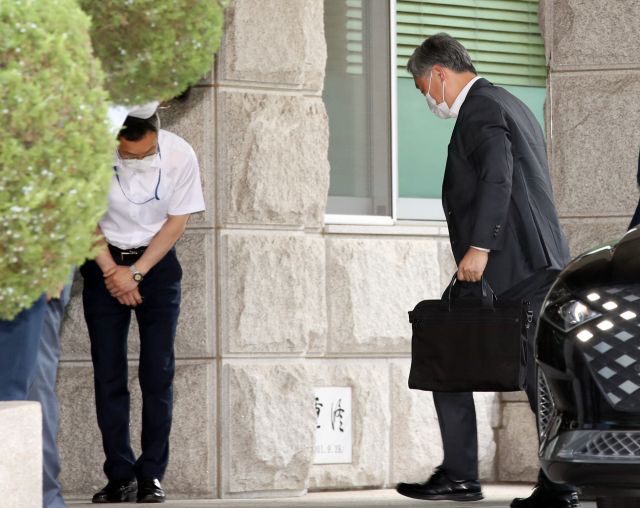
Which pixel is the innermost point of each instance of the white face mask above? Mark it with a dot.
(139, 165)
(440, 110)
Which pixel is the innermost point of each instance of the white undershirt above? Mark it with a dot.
(127, 225)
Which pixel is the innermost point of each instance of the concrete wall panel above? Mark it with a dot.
(595, 137)
(595, 35)
(192, 464)
(371, 420)
(272, 158)
(584, 234)
(273, 293)
(372, 284)
(279, 42)
(268, 427)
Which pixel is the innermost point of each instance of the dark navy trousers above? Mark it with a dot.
(19, 344)
(108, 322)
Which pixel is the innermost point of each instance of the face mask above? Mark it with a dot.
(440, 110)
(137, 165)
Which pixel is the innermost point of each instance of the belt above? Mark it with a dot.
(127, 254)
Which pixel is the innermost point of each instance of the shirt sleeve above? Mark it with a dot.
(187, 196)
(480, 248)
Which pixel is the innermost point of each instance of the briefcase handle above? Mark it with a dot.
(488, 296)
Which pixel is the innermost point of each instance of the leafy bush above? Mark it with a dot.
(55, 147)
(153, 49)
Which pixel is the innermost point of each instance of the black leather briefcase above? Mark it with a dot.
(469, 345)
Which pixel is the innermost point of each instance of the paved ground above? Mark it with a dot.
(496, 496)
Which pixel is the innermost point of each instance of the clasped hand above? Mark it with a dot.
(120, 283)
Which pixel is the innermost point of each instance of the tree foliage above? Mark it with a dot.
(55, 147)
(153, 49)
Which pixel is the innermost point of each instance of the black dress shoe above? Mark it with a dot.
(150, 491)
(545, 498)
(118, 490)
(442, 488)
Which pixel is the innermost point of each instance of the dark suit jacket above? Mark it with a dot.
(497, 191)
(635, 221)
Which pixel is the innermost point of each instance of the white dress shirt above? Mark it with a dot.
(457, 104)
(455, 109)
(134, 215)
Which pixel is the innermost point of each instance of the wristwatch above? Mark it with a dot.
(137, 276)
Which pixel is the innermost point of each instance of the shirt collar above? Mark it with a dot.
(457, 104)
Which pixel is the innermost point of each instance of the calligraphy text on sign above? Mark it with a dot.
(333, 427)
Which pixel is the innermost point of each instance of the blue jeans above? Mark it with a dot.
(19, 344)
(42, 390)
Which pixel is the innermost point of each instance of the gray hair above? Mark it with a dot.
(440, 49)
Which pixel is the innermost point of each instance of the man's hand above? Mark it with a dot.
(56, 295)
(131, 299)
(120, 280)
(472, 265)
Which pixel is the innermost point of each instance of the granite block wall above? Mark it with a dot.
(593, 116)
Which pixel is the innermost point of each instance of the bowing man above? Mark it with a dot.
(155, 187)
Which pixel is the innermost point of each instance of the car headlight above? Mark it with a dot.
(566, 312)
(574, 313)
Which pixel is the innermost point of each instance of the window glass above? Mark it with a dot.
(357, 95)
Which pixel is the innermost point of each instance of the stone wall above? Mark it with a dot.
(593, 115)
(276, 303)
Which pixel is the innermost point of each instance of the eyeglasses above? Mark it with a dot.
(138, 157)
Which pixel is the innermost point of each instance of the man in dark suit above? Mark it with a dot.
(503, 225)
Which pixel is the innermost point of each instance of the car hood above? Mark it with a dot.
(607, 264)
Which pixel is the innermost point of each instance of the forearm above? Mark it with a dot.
(103, 259)
(162, 243)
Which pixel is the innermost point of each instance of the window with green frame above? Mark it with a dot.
(504, 41)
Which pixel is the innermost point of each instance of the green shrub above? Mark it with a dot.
(55, 147)
(153, 49)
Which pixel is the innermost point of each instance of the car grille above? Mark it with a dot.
(611, 444)
(546, 404)
(613, 354)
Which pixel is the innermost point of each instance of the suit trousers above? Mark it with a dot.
(43, 390)
(19, 344)
(108, 322)
(456, 411)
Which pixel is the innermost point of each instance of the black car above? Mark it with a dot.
(588, 352)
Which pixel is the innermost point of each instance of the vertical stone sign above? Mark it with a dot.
(333, 428)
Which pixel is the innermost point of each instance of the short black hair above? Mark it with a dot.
(134, 129)
(440, 49)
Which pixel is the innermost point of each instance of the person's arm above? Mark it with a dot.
(120, 278)
(107, 265)
(104, 259)
(490, 154)
(494, 162)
